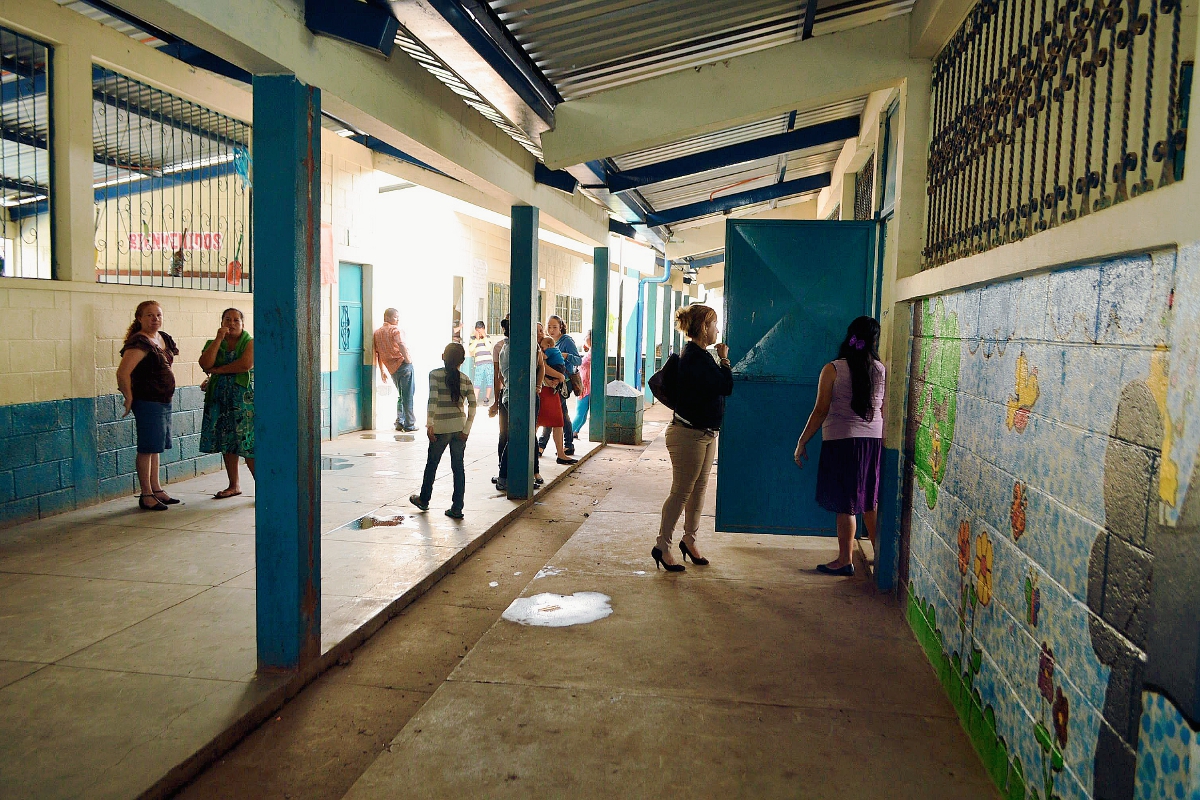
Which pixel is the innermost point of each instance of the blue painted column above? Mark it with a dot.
(596, 407)
(287, 335)
(648, 367)
(629, 360)
(523, 280)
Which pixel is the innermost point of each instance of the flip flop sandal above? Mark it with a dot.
(225, 494)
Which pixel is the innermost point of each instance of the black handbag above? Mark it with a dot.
(664, 383)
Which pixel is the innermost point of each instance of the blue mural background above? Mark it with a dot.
(1052, 431)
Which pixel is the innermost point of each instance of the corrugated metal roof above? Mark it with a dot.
(104, 18)
(587, 46)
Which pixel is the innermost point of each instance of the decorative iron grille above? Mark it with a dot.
(172, 189)
(25, 195)
(836, 213)
(864, 191)
(497, 306)
(575, 321)
(1049, 110)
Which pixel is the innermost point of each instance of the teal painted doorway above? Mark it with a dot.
(791, 288)
(352, 377)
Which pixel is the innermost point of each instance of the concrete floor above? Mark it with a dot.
(753, 677)
(127, 645)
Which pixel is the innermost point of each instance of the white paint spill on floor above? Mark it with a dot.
(493, 584)
(558, 611)
(548, 572)
(639, 572)
(516, 574)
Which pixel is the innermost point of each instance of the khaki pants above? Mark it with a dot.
(692, 454)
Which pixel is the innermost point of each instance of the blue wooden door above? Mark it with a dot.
(348, 383)
(791, 288)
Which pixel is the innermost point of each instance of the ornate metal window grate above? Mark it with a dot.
(25, 194)
(864, 191)
(1048, 110)
(497, 306)
(172, 189)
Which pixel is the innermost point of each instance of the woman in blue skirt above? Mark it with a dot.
(849, 414)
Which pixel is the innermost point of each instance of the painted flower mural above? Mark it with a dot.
(1017, 512)
(983, 568)
(1060, 714)
(1024, 395)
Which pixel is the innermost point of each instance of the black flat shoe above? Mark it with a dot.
(844, 572)
(168, 500)
(415, 499)
(157, 504)
(657, 555)
(687, 553)
(567, 461)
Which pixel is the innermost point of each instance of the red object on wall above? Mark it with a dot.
(327, 276)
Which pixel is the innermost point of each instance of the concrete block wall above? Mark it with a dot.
(623, 416)
(1052, 523)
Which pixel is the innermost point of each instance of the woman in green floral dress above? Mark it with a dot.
(228, 426)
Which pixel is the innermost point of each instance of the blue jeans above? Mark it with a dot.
(436, 448)
(406, 416)
(581, 413)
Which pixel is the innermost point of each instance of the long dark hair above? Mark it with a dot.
(453, 357)
(860, 348)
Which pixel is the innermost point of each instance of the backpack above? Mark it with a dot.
(664, 383)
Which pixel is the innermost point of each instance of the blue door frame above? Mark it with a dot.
(352, 378)
(791, 288)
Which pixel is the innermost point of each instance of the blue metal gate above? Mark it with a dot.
(791, 288)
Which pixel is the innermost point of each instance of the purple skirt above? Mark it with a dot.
(848, 475)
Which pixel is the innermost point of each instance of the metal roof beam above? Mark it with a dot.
(767, 146)
(364, 24)
(810, 18)
(804, 75)
(395, 100)
(729, 202)
(555, 178)
(478, 25)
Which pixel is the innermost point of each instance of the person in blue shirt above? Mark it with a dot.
(556, 329)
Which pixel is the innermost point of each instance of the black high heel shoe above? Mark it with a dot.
(687, 553)
(657, 554)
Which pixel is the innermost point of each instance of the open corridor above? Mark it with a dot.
(752, 677)
(127, 638)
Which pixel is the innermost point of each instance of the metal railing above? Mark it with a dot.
(172, 189)
(1045, 111)
(25, 127)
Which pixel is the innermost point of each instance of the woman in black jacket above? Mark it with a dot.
(699, 389)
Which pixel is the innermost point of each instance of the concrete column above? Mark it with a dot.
(902, 258)
(522, 368)
(74, 255)
(596, 409)
(287, 303)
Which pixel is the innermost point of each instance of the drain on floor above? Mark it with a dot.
(559, 611)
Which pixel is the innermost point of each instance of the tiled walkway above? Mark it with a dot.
(127, 638)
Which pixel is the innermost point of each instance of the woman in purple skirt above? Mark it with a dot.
(849, 414)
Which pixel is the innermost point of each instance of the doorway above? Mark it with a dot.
(353, 373)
